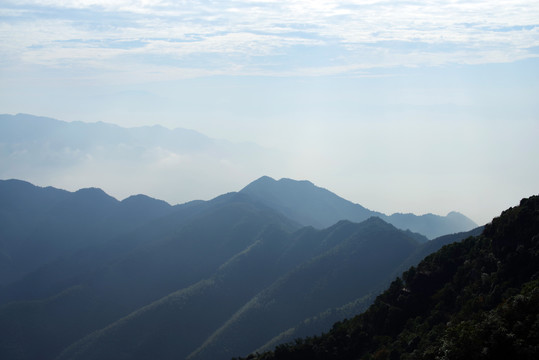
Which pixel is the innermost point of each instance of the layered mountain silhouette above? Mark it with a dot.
(160, 160)
(42, 224)
(38, 133)
(156, 160)
(85, 276)
(311, 205)
(475, 299)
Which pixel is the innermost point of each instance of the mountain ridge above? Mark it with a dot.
(170, 164)
(309, 204)
(146, 270)
(475, 299)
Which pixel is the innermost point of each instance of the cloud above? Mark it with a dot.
(264, 37)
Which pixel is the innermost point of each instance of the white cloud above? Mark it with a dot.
(67, 59)
(351, 34)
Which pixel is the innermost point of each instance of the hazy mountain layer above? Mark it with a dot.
(308, 204)
(178, 165)
(139, 278)
(174, 164)
(39, 225)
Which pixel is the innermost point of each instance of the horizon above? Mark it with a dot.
(120, 199)
(399, 107)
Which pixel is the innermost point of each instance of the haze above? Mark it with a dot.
(400, 106)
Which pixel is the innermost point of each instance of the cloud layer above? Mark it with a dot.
(165, 39)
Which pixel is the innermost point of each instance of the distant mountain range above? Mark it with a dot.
(157, 161)
(161, 161)
(24, 129)
(85, 276)
(308, 204)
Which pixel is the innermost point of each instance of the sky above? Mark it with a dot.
(401, 106)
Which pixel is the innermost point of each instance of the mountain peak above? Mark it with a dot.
(95, 196)
(263, 180)
(310, 205)
(142, 199)
(292, 181)
(92, 191)
(304, 202)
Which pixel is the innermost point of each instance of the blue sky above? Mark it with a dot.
(423, 106)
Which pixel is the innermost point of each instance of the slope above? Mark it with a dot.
(186, 281)
(281, 279)
(39, 225)
(323, 321)
(71, 268)
(353, 267)
(475, 299)
(172, 252)
(171, 327)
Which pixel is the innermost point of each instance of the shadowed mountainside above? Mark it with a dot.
(139, 278)
(39, 225)
(475, 299)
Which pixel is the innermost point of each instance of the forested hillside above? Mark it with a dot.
(39, 225)
(475, 299)
(139, 278)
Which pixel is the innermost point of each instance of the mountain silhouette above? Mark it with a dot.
(41, 224)
(140, 279)
(311, 205)
(306, 203)
(171, 164)
(475, 299)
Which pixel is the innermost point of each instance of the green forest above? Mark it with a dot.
(475, 299)
(85, 276)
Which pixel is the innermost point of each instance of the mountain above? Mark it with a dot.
(24, 130)
(172, 164)
(432, 225)
(323, 321)
(105, 281)
(311, 205)
(282, 278)
(175, 164)
(306, 203)
(361, 258)
(42, 224)
(475, 299)
(139, 278)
